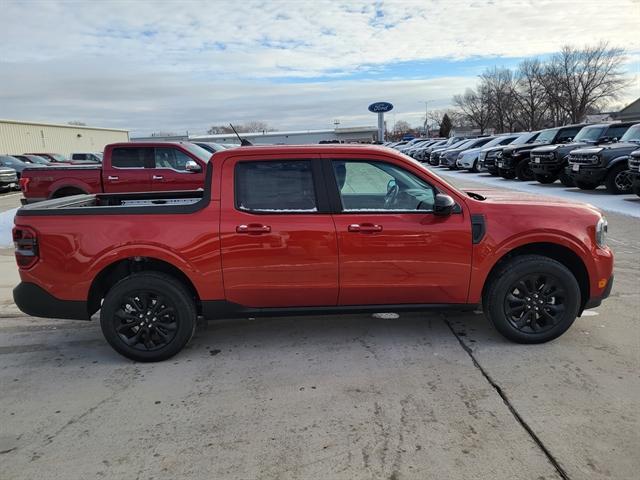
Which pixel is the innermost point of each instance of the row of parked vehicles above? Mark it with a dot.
(582, 155)
(12, 166)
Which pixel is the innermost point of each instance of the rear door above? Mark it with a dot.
(169, 170)
(392, 248)
(278, 240)
(127, 172)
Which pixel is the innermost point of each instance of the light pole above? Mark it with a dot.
(426, 116)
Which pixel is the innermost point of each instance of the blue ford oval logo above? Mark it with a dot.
(380, 107)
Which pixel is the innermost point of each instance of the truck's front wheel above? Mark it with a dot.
(532, 299)
(148, 316)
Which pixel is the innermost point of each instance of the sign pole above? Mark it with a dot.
(380, 108)
(381, 127)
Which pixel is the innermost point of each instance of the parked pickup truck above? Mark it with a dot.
(591, 166)
(515, 160)
(296, 230)
(126, 167)
(548, 163)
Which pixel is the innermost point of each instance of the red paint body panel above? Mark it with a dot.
(44, 182)
(312, 259)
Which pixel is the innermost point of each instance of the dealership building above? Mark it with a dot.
(18, 137)
(364, 134)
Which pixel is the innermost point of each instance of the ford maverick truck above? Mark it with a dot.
(291, 230)
(126, 167)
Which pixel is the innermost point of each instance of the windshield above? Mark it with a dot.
(632, 135)
(525, 138)
(589, 134)
(547, 136)
(8, 161)
(58, 157)
(198, 151)
(37, 159)
(494, 142)
(464, 144)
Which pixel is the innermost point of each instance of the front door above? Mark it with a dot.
(169, 171)
(393, 249)
(279, 245)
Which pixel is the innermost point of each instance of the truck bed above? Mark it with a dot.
(120, 204)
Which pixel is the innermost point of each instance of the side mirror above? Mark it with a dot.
(443, 205)
(192, 166)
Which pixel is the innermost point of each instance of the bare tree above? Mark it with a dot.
(577, 80)
(253, 126)
(76, 122)
(499, 83)
(530, 94)
(475, 107)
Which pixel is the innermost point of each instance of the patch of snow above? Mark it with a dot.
(624, 204)
(386, 316)
(6, 225)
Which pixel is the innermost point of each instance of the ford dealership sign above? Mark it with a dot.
(380, 107)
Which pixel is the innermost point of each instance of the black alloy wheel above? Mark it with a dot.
(535, 303)
(523, 171)
(619, 180)
(148, 316)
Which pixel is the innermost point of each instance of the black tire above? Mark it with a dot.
(523, 171)
(556, 288)
(586, 185)
(566, 180)
(508, 174)
(148, 341)
(475, 168)
(545, 179)
(619, 180)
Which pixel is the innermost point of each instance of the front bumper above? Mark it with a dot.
(546, 168)
(34, 300)
(586, 173)
(596, 301)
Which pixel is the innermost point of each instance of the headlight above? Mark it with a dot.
(601, 232)
(595, 159)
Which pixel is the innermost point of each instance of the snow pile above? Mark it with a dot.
(6, 225)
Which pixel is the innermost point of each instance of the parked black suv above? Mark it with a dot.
(488, 158)
(592, 166)
(634, 171)
(515, 160)
(548, 163)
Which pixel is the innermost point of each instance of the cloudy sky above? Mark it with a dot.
(177, 66)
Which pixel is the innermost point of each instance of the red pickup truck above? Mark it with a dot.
(126, 167)
(308, 229)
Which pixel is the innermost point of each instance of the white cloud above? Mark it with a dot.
(162, 65)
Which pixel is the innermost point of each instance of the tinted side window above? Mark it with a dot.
(171, 158)
(275, 187)
(380, 186)
(616, 131)
(128, 157)
(567, 134)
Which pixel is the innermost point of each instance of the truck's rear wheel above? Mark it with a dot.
(148, 316)
(566, 180)
(532, 299)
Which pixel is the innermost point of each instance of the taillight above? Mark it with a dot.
(26, 244)
(24, 184)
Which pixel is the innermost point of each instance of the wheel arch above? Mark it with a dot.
(66, 191)
(122, 268)
(562, 254)
(617, 161)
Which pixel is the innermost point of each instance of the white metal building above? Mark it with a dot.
(18, 137)
(298, 137)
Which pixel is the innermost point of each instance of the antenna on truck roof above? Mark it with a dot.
(243, 142)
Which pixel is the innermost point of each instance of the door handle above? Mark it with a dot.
(158, 177)
(112, 178)
(256, 228)
(364, 228)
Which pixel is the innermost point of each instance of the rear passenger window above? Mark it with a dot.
(275, 187)
(128, 157)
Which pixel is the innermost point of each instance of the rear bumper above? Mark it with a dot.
(34, 300)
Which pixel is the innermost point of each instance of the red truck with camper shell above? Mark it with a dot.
(126, 167)
(283, 230)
